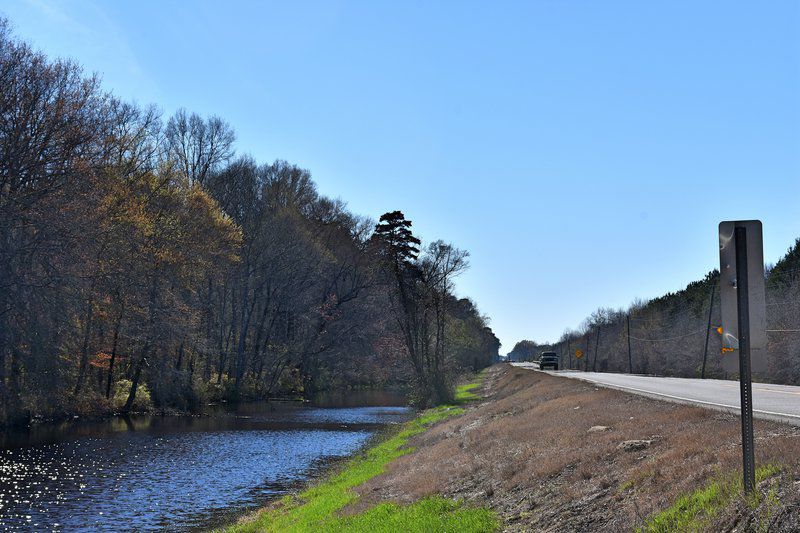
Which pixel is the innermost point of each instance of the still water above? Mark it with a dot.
(178, 473)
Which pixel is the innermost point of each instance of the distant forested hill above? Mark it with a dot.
(668, 334)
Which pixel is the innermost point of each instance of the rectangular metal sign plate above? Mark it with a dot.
(757, 295)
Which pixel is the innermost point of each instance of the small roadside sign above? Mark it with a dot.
(755, 293)
(578, 353)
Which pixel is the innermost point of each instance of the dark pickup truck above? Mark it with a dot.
(548, 359)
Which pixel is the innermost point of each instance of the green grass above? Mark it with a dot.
(430, 514)
(695, 511)
(466, 393)
(317, 508)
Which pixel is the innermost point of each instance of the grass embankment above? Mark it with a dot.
(318, 507)
(698, 510)
(547, 453)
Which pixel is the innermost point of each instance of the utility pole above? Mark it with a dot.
(586, 354)
(596, 346)
(569, 354)
(708, 329)
(630, 357)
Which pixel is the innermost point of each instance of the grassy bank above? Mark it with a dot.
(546, 453)
(698, 510)
(318, 507)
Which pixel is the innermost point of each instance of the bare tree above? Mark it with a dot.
(199, 147)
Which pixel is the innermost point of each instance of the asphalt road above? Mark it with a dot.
(775, 402)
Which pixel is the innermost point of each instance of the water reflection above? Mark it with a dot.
(150, 473)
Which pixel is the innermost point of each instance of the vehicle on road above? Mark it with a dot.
(548, 359)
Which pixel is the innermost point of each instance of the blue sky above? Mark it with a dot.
(583, 152)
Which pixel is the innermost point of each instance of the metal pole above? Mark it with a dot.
(569, 354)
(596, 346)
(586, 354)
(630, 357)
(708, 329)
(745, 378)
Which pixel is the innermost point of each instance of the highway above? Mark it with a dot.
(774, 402)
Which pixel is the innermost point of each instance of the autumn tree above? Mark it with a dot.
(144, 265)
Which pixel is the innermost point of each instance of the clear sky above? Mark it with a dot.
(582, 151)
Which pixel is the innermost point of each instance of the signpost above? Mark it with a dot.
(578, 353)
(743, 309)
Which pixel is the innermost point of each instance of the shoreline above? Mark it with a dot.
(318, 505)
(37, 421)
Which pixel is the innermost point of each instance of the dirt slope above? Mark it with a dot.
(554, 454)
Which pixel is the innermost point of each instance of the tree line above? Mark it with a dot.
(676, 334)
(145, 264)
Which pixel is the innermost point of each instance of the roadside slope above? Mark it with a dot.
(554, 454)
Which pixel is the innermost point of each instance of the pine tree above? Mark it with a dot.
(396, 242)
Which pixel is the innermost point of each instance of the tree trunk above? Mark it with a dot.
(111, 362)
(87, 329)
(180, 354)
(5, 313)
(137, 374)
(241, 354)
(224, 350)
(15, 383)
(3, 349)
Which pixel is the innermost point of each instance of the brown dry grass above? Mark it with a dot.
(526, 452)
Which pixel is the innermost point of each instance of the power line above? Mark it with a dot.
(670, 338)
(785, 302)
(680, 313)
(782, 271)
